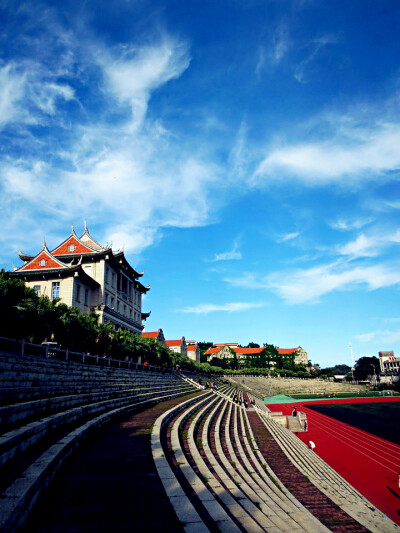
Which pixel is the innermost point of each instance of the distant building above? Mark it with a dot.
(301, 356)
(193, 352)
(178, 346)
(156, 335)
(225, 350)
(85, 274)
(389, 363)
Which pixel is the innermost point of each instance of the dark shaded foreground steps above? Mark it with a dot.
(110, 483)
(313, 499)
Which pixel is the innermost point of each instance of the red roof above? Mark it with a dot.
(286, 351)
(191, 347)
(226, 344)
(175, 343)
(50, 262)
(244, 351)
(73, 240)
(212, 350)
(248, 351)
(150, 334)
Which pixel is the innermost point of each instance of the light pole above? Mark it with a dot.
(352, 362)
(373, 366)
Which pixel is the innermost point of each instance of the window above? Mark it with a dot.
(71, 248)
(78, 293)
(106, 299)
(107, 271)
(55, 289)
(37, 290)
(124, 309)
(86, 296)
(112, 302)
(118, 307)
(42, 263)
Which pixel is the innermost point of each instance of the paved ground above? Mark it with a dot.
(110, 484)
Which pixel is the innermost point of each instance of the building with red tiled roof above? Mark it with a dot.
(230, 344)
(156, 335)
(223, 351)
(178, 346)
(226, 351)
(301, 356)
(193, 352)
(85, 274)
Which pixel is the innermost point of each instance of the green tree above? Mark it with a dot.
(365, 367)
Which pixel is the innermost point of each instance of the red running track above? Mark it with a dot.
(369, 463)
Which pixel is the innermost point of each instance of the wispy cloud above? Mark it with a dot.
(313, 49)
(288, 236)
(107, 157)
(233, 307)
(384, 337)
(370, 246)
(133, 73)
(233, 254)
(309, 285)
(371, 156)
(280, 44)
(348, 225)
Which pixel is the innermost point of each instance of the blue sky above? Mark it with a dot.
(245, 154)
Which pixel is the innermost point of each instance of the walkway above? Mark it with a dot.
(110, 483)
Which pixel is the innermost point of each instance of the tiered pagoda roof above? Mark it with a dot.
(71, 254)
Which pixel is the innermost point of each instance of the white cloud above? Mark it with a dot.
(383, 337)
(309, 285)
(128, 174)
(365, 337)
(137, 71)
(348, 225)
(232, 307)
(334, 161)
(12, 88)
(280, 44)
(288, 236)
(233, 254)
(369, 246)
(313, 48)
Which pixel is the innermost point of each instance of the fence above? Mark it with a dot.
(47, 351)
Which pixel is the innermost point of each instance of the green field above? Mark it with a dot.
(380, 419)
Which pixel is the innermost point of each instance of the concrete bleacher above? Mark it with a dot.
(265, 386)
(48, 406)
(218, 480)
(205, 451)
(213, 475)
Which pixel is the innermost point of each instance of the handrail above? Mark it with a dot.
(45, 350)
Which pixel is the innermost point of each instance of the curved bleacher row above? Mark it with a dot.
(47, 407)
(217, 479)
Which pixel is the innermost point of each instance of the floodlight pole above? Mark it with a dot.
(352, 361)
(373, 366)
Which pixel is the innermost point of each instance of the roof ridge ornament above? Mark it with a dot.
(86, 229)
